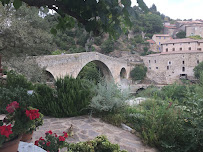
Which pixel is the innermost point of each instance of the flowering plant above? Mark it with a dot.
(52, 142)
(19, 120)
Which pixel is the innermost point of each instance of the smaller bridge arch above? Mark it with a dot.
(123, 73)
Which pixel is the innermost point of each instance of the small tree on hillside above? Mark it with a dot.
(181, 34)
(138, 73)
(198, 70)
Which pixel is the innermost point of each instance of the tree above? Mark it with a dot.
(153, 8)
(96, 15)
(181, 34)
(139, 72)
(198, 70)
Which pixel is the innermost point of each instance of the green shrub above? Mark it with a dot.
(15, 80)
(99, 144)
(138, 73)
(8, 95)
(198, 70)
(159, 125)
(70, 98)
(108, 46)
(109, 98)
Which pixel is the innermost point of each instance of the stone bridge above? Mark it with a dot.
(72, 64)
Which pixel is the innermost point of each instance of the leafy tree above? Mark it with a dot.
(97, 16)
(153, 8)
(139, 72)
(181, 34)
(198, 70)
(108, 46)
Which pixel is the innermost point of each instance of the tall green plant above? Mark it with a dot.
(70, 98)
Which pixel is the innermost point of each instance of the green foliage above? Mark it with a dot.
(138, 39)
(181, 34)
(195, 37)
(90, 72)
(70, 98)
(99, 144)
(108, 46)
(109, 98)
(159, 125)
(138, 72)
(57, 52)
(15, 80)
(198, 70)
(8, 95)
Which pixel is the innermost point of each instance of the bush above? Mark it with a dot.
(198, 70)
(159, 125)
(108, 46)
(138, 73)
(15, 80)
(13, 94)
(99, 144)
(70, 98)
(109, 98)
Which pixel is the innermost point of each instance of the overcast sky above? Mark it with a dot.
(182, 9)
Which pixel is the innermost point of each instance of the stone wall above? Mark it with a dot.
(167, 68)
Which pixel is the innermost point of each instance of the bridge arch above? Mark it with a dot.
(123, 73)
(103, 67)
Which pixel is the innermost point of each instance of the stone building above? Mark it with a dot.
(170, 30)
(160, 38)
(194, 30)
(181, 45)
(167, 68)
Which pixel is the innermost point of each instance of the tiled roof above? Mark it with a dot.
(171, 27)
(181, 52)
(185, 40)
(151, 41)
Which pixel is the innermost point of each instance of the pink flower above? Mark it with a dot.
(6, 130)
(55, 134)
(49, 132)
(12, 106)
(61, 138)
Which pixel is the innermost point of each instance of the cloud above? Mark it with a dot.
(182, 9)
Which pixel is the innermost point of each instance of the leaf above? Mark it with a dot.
(53, 31)
(17, 4)
(126, 2)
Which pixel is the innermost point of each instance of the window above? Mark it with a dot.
(181, 49)
(167, 67)
(173, 43)
(157, 67)
(164, 37)
(154, 61)
(198, 44)
(173, 49)
(149, 67)
(189, 48)
(166, 44)
(169, 62)
(199, 49)
(166, 49)
(183, 69)
(188, 42)
(159, 37)
(159, 43)
(197, 61)
(183, 62)
(149, 61)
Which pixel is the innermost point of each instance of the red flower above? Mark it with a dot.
(61, 138)
(36, 142)
(55, 134)
(65, 134)
(48, 143)
(32, 114)
(12, 106)
(6, 130)
(49, 132)
(41, 138)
